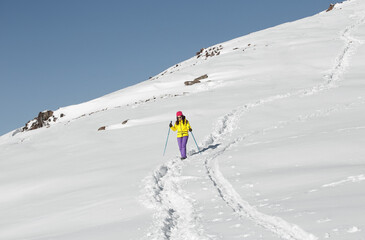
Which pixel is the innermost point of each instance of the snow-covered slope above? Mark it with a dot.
(280, 123)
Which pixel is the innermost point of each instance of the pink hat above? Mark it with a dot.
(179, 113)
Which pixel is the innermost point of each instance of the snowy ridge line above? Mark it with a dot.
(340, 65)
(175, 217)
(341, 62)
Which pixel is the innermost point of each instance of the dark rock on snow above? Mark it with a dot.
(41, 120)
(331, 7)
(196, 80)
(101, 128)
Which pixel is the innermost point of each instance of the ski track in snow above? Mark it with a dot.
(343, 59)
(175, 217)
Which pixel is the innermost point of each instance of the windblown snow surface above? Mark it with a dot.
(280, 122)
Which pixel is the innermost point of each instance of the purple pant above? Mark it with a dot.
(182, 141)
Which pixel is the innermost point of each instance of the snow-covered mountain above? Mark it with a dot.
(279, 120)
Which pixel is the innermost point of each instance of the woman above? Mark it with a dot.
(183, 127)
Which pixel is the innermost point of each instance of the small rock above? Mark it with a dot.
(198, 53)
(101, 128)
(125, 121)
(188, 83)
(201, 77)
(330, 7)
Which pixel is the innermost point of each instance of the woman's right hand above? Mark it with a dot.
(170, 125)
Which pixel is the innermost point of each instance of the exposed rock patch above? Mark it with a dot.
(211, 52)
(196, 80)
(42, 120)
(330, 7)
(201, 77)
(101, 128)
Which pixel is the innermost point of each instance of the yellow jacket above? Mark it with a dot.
(182, 129)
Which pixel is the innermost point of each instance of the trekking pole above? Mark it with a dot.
(195, 141)
(168, 134)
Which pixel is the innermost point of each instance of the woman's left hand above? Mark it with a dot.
(190, 130)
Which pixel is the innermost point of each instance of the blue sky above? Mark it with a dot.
(59, 53)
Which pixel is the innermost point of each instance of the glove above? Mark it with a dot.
(190, 130)
(170, 125)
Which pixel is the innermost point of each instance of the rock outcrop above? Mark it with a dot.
(196, 80)
(211, 52)
(331, 7)
(42, 120)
